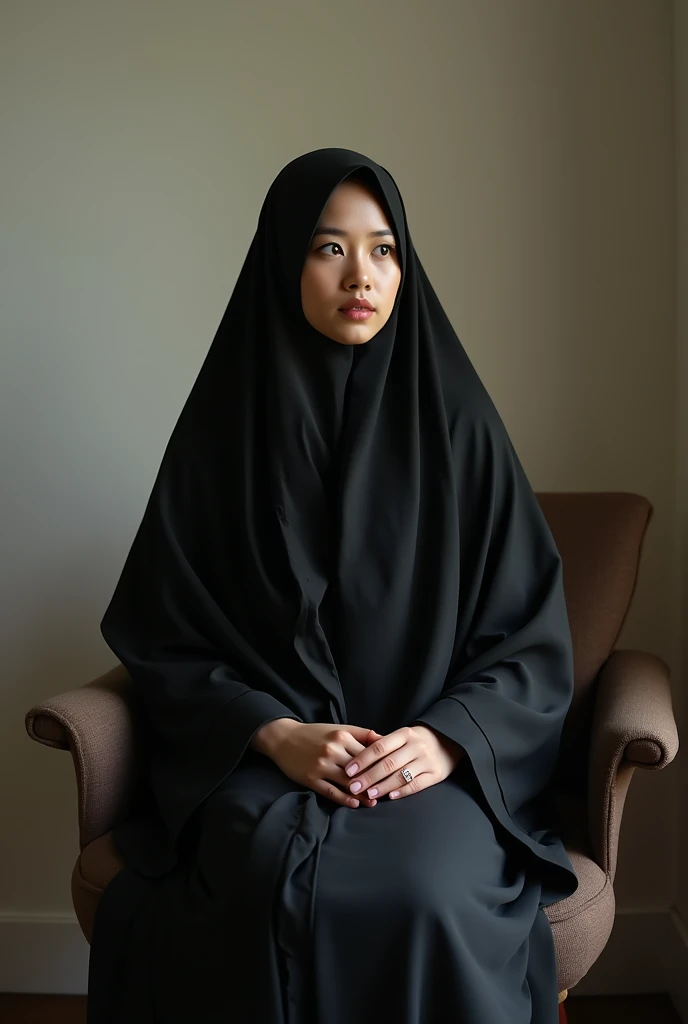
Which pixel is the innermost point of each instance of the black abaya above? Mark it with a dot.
(338, 534)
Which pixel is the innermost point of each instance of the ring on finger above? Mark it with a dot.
(406, 774)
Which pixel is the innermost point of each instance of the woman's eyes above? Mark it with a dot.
(383, 245)
(327, 246)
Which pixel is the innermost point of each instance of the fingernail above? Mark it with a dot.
(372, 793)
(354, 803)
(352, 770)
(394, 794)
(355, 786)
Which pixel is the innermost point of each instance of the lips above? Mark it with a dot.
(356, 304)
(357, 313)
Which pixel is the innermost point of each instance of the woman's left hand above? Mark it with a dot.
(430, 756)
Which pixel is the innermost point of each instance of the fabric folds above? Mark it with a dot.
(340, 534)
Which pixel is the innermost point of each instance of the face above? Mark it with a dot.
(352, 256)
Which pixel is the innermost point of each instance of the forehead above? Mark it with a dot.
(352, 200)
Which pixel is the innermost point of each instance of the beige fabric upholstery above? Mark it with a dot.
(581, 924)
(600, 538)
(98, 723)
(621, 717)
(633, 726)
(97, 864)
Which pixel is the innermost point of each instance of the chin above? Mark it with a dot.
(356, 334)
(350, 341)
(345, 334)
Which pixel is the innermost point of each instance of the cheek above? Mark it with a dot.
(392, 286)
(315, 285)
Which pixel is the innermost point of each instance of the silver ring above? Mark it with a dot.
(407, 774)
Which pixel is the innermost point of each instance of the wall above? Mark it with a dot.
(681, 123)
(533, 144)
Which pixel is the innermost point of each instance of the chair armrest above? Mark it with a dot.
(100, 724)
(633, 726)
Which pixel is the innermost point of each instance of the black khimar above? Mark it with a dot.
(346, 534)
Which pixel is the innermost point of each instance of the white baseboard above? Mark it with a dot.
(647, 952)
(42, 953)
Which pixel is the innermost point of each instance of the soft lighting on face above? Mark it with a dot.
(352, 255)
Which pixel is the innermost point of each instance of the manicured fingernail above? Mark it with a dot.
(372, 793)
(352, 770)
(393, 795)
(354, 803)
(355, 786)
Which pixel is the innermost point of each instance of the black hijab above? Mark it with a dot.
(343, 534)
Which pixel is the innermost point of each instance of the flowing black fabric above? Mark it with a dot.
(338, 534)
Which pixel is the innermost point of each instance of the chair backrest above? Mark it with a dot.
(600, 538)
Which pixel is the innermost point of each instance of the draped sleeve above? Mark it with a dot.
(511, 680)
(167, 625)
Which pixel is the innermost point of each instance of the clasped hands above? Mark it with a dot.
(376, 771)
(352, 765)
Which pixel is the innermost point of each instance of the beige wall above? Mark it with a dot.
(533, 145)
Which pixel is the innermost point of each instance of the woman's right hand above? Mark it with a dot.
(313, 754)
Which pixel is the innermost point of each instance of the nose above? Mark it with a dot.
(356, 281)
(356, 276)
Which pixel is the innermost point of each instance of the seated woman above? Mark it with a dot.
(343, 616)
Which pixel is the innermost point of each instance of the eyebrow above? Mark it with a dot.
(338, 231)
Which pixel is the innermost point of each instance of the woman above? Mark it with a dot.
(344, 618)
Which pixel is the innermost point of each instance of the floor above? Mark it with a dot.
(652, 1009)
(583, 1010)
(42, 1009)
